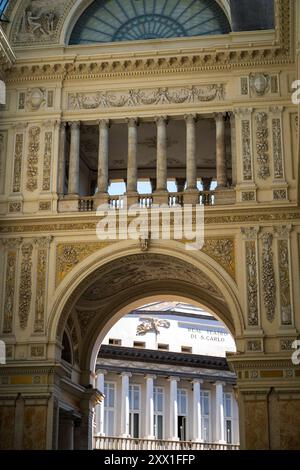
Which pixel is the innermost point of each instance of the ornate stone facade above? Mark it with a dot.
(18, 163)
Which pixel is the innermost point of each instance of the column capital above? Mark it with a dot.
(101, 372)
(74, 124)
(103, 123)
(172, 378)
(219, 382)
(133, 121)
(219, 116)
(150, 376)
(126, 374)
(161, 120)
(191, 118)
(197, 381)
(63, 125)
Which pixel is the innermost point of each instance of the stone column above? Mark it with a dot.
(197, 415)
(220, 151)
(149, 434)
(99, 409)
(173, 431)
(132, 162)
(103, 155)
(125, 404)
(191, 196)
(220, 435)
(73, 190)
(161, 195)
(61, 159)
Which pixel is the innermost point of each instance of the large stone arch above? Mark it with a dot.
(166, 269)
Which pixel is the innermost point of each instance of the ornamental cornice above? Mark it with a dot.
(221, 58)
(89, 223)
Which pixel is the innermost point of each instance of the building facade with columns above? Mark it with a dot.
(190, 102)
(165, 378)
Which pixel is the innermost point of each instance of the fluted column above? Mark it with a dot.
(103, 156)
(100, 407)
(197, 415)
(220, 435)
(161, 162)
(61, 159)
(149, 434)
(125, 404)
(132, 160)
(73, 189)
(220, 151)
(173, 431)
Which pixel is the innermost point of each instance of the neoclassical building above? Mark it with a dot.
(166, 382)
(186, 104)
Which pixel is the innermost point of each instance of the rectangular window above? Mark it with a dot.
(139, 344)
(186, 349)
(158, 398)
(134, 410)
(163, 347)
(227, 398)
(182, 403)
(115, 342)
(205, 415)
(109, 408)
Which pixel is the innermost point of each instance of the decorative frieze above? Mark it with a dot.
(18, 155)
(148, 97)
(47, 161)
(33, 158)
(25, 288)
(268, 276)
(262, 145)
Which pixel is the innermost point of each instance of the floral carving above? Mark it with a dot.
(33, 158)
(9, 292)
(277, 148)
(47, 161)
(285, 288)
(246, 146)
(25, 292)
(262, 145)
(252, 283)
(18, 163)
(160, 96)
(42, 256)
(268, 276)
(222, 251)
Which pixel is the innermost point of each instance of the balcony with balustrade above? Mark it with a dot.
(191, 153)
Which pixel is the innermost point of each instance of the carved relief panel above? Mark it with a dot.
(3, 143)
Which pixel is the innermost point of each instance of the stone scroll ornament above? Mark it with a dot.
(132, 98)
(268, 277)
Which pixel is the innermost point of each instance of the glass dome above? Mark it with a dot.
(132, 20)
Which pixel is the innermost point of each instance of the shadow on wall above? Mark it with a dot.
(252, 15)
